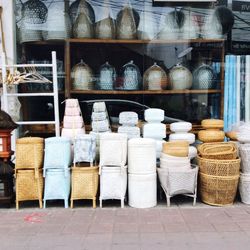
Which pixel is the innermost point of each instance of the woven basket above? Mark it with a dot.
(244, 188)
(244, 150)
(218, 190)
(29, 153)
(212, 124)
(28, 187)
(211, 135)
(84, 184)
(219, 167)
(176, 148)
(218, 151)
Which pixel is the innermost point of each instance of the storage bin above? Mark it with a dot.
(57, 153)
(182, 137)
(130, 131)
(176, 181)
(84, 184)
(128, 118)
(113, 183)
(244, 150)
(57, 185)
(113, 149)
(180, 127)
(154, 130)
(154, 115)
(141, 156)
(142, 190)
(29, 186)
(175, 163)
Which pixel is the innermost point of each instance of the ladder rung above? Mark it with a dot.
(30, 94)
(27, 65)
(35, 122)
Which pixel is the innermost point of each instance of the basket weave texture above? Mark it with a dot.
(219, 167)
(28, 187)
(211, 135)
(84, 183)
(176, 148)
(218, 190)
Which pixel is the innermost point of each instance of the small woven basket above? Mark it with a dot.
(28, 187)
(245, 157)
(84, 184)
(176, 148)
(218, 190)
(218, 151)
(219, 167)
(212, 124)
(211, 135)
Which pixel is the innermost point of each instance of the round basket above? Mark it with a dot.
(212, 124)
(218, 190)
(232, 135)
(176, 148)
(219, 167)
(245, 157)
(211, 135)
(219, 151)
(244, 188)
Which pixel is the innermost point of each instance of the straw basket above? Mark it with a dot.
(176, 148)
(244, 188)
(219, 167)
(218, 190)
(219, 151)
(84, 184)
(28, 187)
(245, 157)
(212, 135)
(212, 124)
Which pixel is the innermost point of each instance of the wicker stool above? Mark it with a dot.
(29, 186)
(84, 184)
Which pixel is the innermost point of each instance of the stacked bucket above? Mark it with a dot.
(142, 173)
(154, 128)
(129, 121)
(28, 169)
(57, 160)
(112, 167)
(219, 165)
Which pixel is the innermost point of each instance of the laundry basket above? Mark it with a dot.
(245, 157)
(113, 183)
(244, 188)
(84, 184)
(28, 186)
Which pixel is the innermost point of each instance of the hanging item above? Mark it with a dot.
(83, 27)
(127, 23)
(107, 77)
(58, 25)
(131, 77)
(81, 6)
(203, 77)
(190, 29)
(155, 78)
(82, 77)
(180, 77)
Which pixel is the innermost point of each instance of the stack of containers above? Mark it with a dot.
(129, 121)
(154, 129)
(28, 169)
(142, 173)
(57, 160)
(219, 165)
(73, 124)
(181, 133)
(112, 167)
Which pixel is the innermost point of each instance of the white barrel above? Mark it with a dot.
(141, 156)
(154, 130)
(142, 190)
(180, 127)
(182, 137)
(154, 115)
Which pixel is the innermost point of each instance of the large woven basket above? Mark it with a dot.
(218, 190)
(219, 167)
(219, 151)
(245, 157)
(28, 187)
(84, 184)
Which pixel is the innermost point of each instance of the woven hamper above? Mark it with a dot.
(113, 183)
(245, 157)
(28, 186)
(57, 185)
(218, 190)
(244, 188)
(219, 167)
(84, 184)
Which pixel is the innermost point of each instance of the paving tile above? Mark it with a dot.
(200, 227)
(98, 239)
(125, 238)
(206, 237)
(244, 225)
(126, 247)
(126, 228)
(101, 228)
(226, 227)
(151, 228)
(152, 238)
(157, 246)
(96, 246)
(175, 227)
(76, 229)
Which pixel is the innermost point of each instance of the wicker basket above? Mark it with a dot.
(245, 157)
(218, 190)
(244, 188)
(211, 135)
(176, 148)
(232, 135)
(212, 123)
(28, 187)
(84, 184)
(218, 151)
(219, 167)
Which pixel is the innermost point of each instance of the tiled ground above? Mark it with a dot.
(179, 227)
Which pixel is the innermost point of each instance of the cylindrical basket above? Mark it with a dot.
(218, 190)
(245, 157)
(244, 188)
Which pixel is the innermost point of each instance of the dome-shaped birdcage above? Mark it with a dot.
(82, 77)
(83, 27)
(180, 77)
(203, 77)
(34, 12)
(131, 77)
(190, 29)
(107, 77)
(80, 6)
(155, 78)
(105, 29)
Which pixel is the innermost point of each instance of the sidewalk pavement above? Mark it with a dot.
(181, 227)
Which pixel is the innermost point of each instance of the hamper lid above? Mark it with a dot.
(29, 140)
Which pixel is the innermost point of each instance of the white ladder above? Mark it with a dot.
(53, 94)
